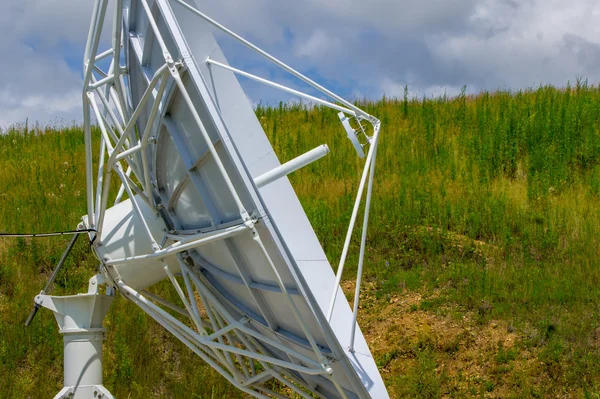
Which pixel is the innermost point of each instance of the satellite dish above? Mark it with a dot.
(209, 208)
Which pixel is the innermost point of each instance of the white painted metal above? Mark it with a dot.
(352, 134)
(208, 207)
(79, 319)
(363, 241)
(280, 87)
(274, 60)
(291, 166)
(357, 203)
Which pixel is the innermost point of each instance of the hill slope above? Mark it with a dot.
(482, 271)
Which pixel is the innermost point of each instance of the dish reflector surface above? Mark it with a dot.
(265, 275)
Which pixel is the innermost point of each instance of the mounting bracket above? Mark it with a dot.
(79, 319)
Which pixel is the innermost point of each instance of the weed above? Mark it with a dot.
(492, 201)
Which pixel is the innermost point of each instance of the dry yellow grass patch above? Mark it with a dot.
(467, 353)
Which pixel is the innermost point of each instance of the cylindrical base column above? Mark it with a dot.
(83, 357)
(80, 318)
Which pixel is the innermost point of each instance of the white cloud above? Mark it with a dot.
(412, 17)
(39, 39)
(392, 88)
(38, 86)
(362, 48)
(54, 20)
(526, 44)
(436, 46)
(318, 44)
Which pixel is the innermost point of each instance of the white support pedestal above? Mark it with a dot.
(80, 319)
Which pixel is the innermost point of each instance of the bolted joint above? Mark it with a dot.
(168, 59)
(248, 221)
(171, 64)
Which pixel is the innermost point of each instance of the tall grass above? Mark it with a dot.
(492, 201)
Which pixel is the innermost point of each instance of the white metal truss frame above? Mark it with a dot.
(210, 330)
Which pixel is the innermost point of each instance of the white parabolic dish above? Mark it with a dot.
(254, 283)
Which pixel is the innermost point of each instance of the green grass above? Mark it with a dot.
(487, 204)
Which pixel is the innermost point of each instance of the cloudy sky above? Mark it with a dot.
(360, 48)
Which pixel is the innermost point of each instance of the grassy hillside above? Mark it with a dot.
(482, 273)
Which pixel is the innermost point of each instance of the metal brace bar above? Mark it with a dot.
(363, 241)
(177, 247)
(276, 61)
(188, 100)
(361, 187)
(291, 166)
(281, 87)
(137, 297)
